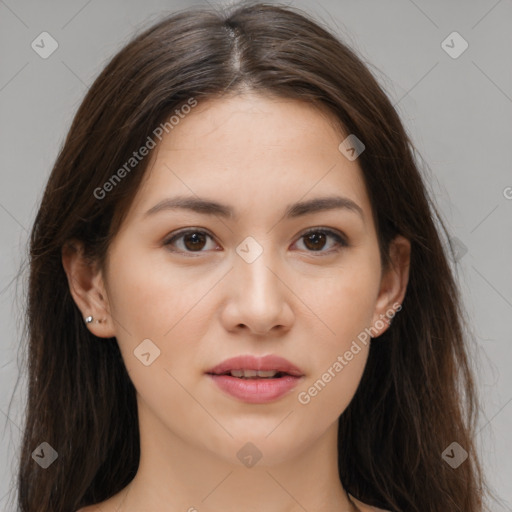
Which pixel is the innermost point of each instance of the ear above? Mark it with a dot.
(393, 285)
(87, 288)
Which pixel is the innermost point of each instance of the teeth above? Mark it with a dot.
(250, 374)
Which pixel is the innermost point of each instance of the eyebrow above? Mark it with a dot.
(210, 207)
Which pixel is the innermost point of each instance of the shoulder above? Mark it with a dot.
(98, 507)
(363, 507)
(111, 504)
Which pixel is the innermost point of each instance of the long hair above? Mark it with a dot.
(417, 395)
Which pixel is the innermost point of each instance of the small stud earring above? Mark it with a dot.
(89, 319)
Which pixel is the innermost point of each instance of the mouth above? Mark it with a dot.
(251, 367)
(254, 374)
(256, 379)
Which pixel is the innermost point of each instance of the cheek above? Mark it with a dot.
(345, 306)
(339, 354)
(151, 298)
(344, 300)
(326, 395)
(357, 294)
(157, 303)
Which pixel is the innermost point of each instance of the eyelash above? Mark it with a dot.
(340, 240)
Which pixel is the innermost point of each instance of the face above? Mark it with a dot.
(201, 286)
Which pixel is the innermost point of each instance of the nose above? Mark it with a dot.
(259, 298)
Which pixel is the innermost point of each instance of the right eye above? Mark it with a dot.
(192, 240)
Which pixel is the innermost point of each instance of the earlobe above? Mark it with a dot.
(393, 284)
(87, 289)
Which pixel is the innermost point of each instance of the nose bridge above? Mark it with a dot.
(254, 264)
(260, 289)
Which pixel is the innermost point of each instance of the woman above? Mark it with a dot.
(238, 294)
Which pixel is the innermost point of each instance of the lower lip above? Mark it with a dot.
(255, 391)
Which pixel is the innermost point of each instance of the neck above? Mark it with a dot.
(175, 474)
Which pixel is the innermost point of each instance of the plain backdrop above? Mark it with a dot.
(457, 108)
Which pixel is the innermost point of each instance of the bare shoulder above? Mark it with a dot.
(366, 508)
(105, 506)
(94, 508)
(111, 504)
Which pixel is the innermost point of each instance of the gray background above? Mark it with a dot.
(458, 111)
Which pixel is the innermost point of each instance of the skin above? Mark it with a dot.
(257, 154)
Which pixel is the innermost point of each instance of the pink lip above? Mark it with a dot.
(255, 390)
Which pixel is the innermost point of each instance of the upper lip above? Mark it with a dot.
(249, 362)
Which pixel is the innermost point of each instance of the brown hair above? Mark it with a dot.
(417, 394)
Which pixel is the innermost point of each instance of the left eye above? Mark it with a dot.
(317, 236)
(195, 240)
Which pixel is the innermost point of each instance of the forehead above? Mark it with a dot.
(251, 150)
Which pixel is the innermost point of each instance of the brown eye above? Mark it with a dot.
(191, 241)
(194, 241)
(316, 239)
